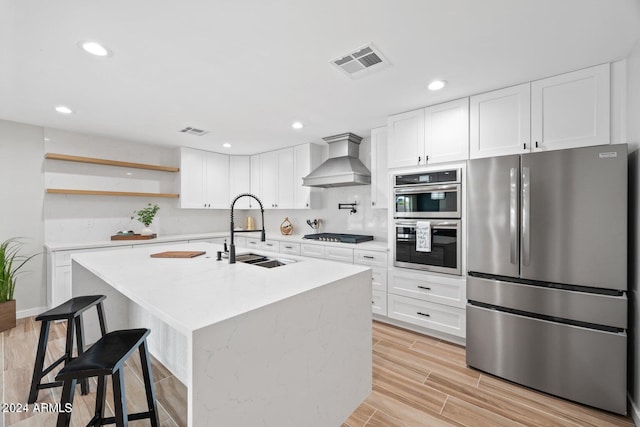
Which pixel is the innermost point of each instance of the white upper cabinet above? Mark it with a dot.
(379, 169)
(240, 180)
(192, 179)
(436, 134)
(256, 180)
(446, 132)
(406, 139)
(204, 179)
(277, 179)
(217, 181)
(500, 122)
(306, 158)
(571, 110)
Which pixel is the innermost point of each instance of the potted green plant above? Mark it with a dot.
(10, 264)
(146, 216)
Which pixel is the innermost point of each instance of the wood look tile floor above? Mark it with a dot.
(417, 381)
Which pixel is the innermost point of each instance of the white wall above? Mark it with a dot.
(80, 218)
(22, 204)
(633, 137)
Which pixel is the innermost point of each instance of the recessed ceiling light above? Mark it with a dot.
(95, 49)
(62, 109)
(226, 145)
(437, 84)
(297, 125)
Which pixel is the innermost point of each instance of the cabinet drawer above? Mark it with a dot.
(379, 279)
(339, 254)
(271, 245)
(442, 318)
(379, 302)
(315, 251)
(254, 243)
(290, 248)
(377, 259)
(240, 242)
(441, 290)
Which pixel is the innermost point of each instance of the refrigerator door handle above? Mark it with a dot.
(513, 215)
(526, 215)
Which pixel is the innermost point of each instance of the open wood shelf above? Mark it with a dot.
(96, 161)
(110, 193)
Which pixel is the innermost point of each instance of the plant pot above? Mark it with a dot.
(146, 231)
(7, 315)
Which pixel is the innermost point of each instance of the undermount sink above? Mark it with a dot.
(263, 261)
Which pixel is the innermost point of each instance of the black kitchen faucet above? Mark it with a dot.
(232, 246)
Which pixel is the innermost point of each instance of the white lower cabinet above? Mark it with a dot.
(313, 251)
(290, 248)
(436, 302)
(339, 254)
(253, 243)
(379, 302)
(438, 317)
(271, 245)
(437, 289)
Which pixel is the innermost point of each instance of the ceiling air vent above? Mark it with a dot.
(362, 61)
(194, 131)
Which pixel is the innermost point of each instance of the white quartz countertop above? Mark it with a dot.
(189, 294)
(373, 245)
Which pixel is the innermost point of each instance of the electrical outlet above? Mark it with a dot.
(89, 223)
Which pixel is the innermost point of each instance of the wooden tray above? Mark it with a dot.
(178, 254)
(133, 237)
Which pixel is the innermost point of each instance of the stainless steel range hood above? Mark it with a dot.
(343, 168)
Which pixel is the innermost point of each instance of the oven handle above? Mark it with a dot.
(434, 224)
(426, 189)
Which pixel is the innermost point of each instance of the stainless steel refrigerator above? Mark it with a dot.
(547, 272)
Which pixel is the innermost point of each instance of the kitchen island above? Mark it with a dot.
(285, 346)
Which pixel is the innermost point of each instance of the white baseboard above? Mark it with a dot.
(635, 411)
(30, 312)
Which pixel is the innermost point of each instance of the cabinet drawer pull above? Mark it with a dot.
(368, 257)
(424, 287)
(423, 314)
(289, 247)
(373, 302)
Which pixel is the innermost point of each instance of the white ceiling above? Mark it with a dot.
(245, 70)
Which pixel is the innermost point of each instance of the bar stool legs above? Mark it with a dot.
(71, 312)
(107, 357)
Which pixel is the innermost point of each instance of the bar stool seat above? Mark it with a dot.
(71, 311)
(107, 357)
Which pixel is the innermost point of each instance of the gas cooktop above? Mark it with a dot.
(342, 238)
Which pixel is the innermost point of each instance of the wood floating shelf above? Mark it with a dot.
(110, 193)
(96, 161)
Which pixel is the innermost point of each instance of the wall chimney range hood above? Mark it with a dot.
(343, 167)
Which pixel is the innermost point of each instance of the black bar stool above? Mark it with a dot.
(70, 311)
(107, 357)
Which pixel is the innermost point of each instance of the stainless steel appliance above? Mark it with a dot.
(444, 256)
(428, 195)
(547, 282)
(337, 237)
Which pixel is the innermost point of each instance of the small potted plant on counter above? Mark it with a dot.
(10, 264)
(146, 216)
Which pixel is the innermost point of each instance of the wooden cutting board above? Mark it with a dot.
(178, 254)
(133, 237)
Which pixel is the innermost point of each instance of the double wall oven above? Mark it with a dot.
(429, 201)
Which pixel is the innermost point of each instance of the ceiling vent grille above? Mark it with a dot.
(194, 131)
(361, 61)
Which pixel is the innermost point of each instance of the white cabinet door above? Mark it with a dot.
(256, 180)
(500, 122)
(306, 158)
(240, 180)
(571, 110)
(269, 173)
(217, 184)
(285, 179)
(406, 139)
(446, 136)
(379, 169)
(192, 178)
